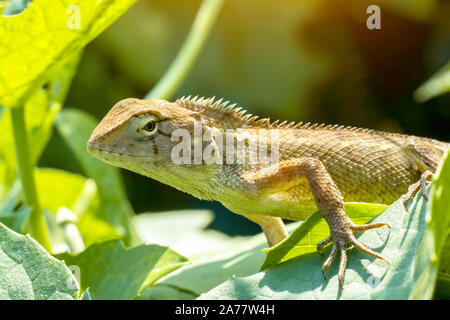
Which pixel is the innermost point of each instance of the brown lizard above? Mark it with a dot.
(317, 166)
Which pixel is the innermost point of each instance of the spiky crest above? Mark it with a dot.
(221, 110)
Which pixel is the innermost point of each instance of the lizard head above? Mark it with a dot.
(136, 134)
(160, 139)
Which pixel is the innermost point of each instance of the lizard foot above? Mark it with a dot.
(340, 239)
(421, 184)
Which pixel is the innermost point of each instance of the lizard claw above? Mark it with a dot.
(340, 239)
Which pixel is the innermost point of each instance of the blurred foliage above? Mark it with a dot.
(438, 84)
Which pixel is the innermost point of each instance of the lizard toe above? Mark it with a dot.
(364, 249)
(369, 226)
(342, 264)
(323, 243)
(343, 237)
(326, 265)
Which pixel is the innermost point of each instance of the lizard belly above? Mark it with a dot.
(296, 203)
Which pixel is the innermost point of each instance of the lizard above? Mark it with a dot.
(317, 166)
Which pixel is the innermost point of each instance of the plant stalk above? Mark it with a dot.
(189, 52)
(38, 227)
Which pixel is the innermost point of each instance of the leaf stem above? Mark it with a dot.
(189, 52)
(38, 227)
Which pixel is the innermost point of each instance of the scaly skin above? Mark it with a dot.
(319, 167)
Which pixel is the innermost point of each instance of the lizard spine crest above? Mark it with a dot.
(240, 116)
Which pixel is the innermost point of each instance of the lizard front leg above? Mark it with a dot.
(328, 198)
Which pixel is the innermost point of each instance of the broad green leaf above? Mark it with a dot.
(438, 84)
(236, 256)
(27, 271)
(112, 272)
(314, 229)
(440, 206)
(214, 256)
(404, 246)
(76, 126)
(43, 37)
(242, 258)
(438, 222)
(59, 189)
(188, 234)
(444, 265)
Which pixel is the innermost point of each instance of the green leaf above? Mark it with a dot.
(39, 118)
(188, 235)
(43, 37)
(443, 282)
(438, 222)
(213, 263)
(440, 206)
(438, 84)
(15, 220)
(76, 126)
(29, 272)
(164, 292)
(59, 189)
(11, 198)
(405, 246)
(112, 272)
(40, 112)
(314, 229)
(243, 258)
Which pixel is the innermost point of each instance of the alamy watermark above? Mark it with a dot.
(76, 271)
(373, 281)
(74, 19)
(374, 20)
(214, 146)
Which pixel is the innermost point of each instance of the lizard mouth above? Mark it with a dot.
(96, 151)
(121, 159)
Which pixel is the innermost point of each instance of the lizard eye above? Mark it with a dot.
(150, 126)
(143, 127)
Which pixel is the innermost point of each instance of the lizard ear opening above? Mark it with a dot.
(144, 126)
